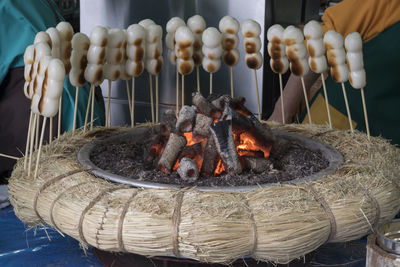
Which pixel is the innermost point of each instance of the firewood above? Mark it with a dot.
(172, 149)
(221, 101)
(202, 125)
(186, 117)
(188, 170)
(262, 130)
(210, 158)
(223, 137)
(191, 151)
(256, 164)
(238, 105)
(205, 107)
(169, 120)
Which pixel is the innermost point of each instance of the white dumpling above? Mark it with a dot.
(296, 50)
(146, 22)
(43, 37)
(136, 34)
(229, 41)
(318, 64)
(96, 54)
(134, 68)
(339, 73)
(153, 33)
(98, 36)
(251, 28)
(252, 45)
(41, 50)
(211, 65)
(254, 61)
(355, 61)
(172, 57)
(174, 23)
(154, 50)
(65, 30)
(111, 71)
(315, 48)
(292, 35)
(275, 33)
(154, 66)
(116, 38)
(231, 57)
(336, 56)
(135, 52)
(211, 37)
(313, 30)
(80, 42)
(170, 40)
(299, 67)
(94, 74)
(184, 34)
(55, 42)
(185, 67)
(279, 66)
(196, 24)
(184, 53)
(276, 50)
(229, 24)
(212, 53)
(358, 79)
(353, 42)
(333, 40)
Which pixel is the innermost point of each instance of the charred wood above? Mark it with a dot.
(202, 125)
(188, 170)
(205, 107)
(186, 117)
(172, 149)
(210, 158)
(223, 137)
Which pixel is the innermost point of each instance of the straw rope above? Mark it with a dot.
(91, 205)
(176, 217)
(50, 182)
(121, 222)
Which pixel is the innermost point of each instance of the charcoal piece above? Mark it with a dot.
(262, 130)
(210, 158)
(223, 137)
(221, 101)
(172, 149)
(205, 107)
(202, 125)
(185, 119)
(188, 170)
(168, 120)
(238, 105)
(257, 165)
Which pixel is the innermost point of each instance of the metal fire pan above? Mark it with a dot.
(332, 155)
(389, 236)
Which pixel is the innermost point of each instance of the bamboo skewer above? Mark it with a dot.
(306, 99)
(326, 101)
(365, 113)
(128, 96)
(347, 108)
(37, 132)
(92, 112)
(40, 147)
(258, 95)
(198, 78)
(31, 143)
(108, 117)
(50, 130)
(59, 117)
(87, 110)
(211, 83)
(282, 104)
(27, 140)
(183, 90)
(231, 78)
(151, 98)
(133, 103)
(177, 92)
(157, 98)
(9, 156)
(75, 109)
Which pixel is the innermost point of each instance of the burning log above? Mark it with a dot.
(186, 118)
(169, 120)
(205, 107)
(262, 130)
(257, 165)
(238, 105)
(188, 170)
(223, 137)
(210, 158)
(172, 149)
(202, 125)
(221, 101)
(191, 151)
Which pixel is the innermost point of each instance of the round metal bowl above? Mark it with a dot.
(333, 156)
(389, 236)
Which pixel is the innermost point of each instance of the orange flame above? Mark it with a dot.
(220, 168)
(248, 143)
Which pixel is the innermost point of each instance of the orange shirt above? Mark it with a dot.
(368, 17)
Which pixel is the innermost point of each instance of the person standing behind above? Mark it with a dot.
(378, 23)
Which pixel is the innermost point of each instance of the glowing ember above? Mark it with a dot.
(220, 168)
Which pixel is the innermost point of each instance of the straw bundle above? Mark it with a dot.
(276, 224)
